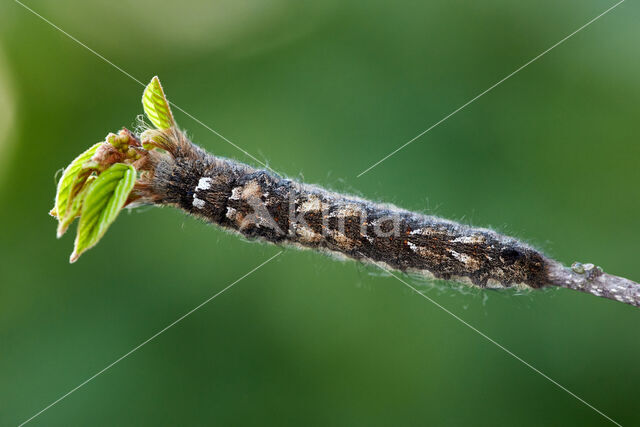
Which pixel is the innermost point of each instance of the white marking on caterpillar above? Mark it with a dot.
(476, 238)
(235, 193)
(467, 260)
(251, 190)
(460, 257)
(313, 204)
(308, 235)
(198, 203)
(422, 231)
(231, 213)
(420, 250)
(204, 184)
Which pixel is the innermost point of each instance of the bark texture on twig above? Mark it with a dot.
(591, 279)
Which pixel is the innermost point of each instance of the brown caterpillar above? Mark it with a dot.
(262, 205)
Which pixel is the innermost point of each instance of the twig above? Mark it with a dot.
(591, 279)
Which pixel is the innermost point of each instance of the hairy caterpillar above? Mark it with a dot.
(259, 204)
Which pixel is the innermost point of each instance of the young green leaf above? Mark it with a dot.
(156, 106)
(70, 180)
(102, 204)
(74, 208)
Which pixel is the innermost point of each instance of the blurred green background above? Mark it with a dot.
(320, 91)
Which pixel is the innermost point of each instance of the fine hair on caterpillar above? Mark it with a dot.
(161, 166)
(262, 205)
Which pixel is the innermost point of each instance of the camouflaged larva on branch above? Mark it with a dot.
(260, 204)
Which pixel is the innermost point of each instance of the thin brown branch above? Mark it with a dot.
(591, 279)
